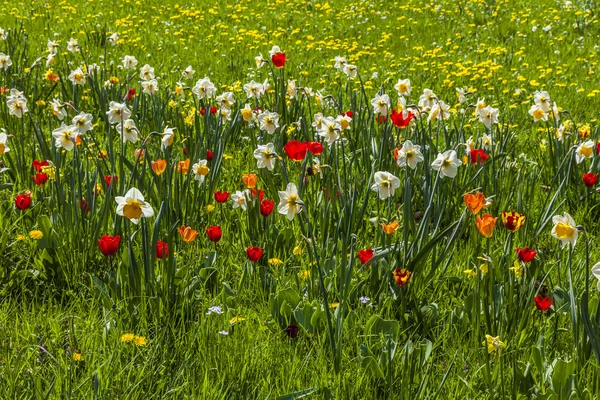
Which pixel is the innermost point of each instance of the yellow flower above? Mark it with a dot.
(77, 356)
(390, 228)
(114, 80)
(210, 208)
(298, 251)
(484, 268)
(236, 320)
(513, 221)
(159, 166)
(334, 305)
(21, 237)
(140, 341)
(36, 234)
(275, 262)
(305, 274)
(494, 343)
(127, 337)
(470, 273)
(517, 269)
(50, 171)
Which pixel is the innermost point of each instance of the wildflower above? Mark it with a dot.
(470, 273)
(210, 208)
(214, 310)
(265, 156)
(446, 163)
(478, 156)
(365, 255)
(214, 233)
(266, 207)
(381, 104)
(109, 245)
(526, 254)
(36, 234)
(223, 332)
(517, 269)
(221, 197)
(589, 179)
(275, 262)
(475, 202)
(334, 305)
(596, 273)
(364, 299)
(140, 341)
(23, 201)
(565, 229)
(385, 184)
(584, 151)
(162, 250)
(77, 356)
(543, 303)
(159, 166)
(133, 207)
(513, 221)
(250, 180)
(402, 276)
(236, 320)
(187, 233)
(289, 202)
(298, 251)
(127, 337)
(391, 228)
(3, 139)
(485, 225)
(254, 253)
(239, 199)
(494, 344)
(330, 130)
(296, 150)
(409, 154)
(200, 170)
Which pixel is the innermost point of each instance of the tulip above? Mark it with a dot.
(109, 245)
(221, 197)
(159, 166)
(390, 228)
(475, 202)
(296, 150)
(40, 178)
(526, 254)
(266, 207)
(162, 249)
(486, 224)
(214, 233)
(187, 233)
(250, 180)
(543, 303)
(254, 253)
(402, 276)
(365, 255)
(589, 179)
(513, 221)
(278, 60)
(23, 201)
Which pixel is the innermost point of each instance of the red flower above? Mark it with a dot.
(254, 253)
(221, 197)
(130, 94)
(598, 147)
(296, 150)
(278, 60)
(214, 233)
(110, 179)
(109, 245)
(266, 207)
(213, 110)
(381, 119)
(185, 151)
(402, 276)
(365, 255)
(399, 120)
(162, 249)
(589, 179)
(40, 178)
(37, 165)
(23, 201)
(84, 205)
(478, 156)
(526, 254)
(315, 148)
(543, 303)
(348, 113)
(260, 193)
(209, 155)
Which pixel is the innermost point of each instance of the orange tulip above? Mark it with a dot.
(184, 166)
(187, 233)
(159, 166)
(486, 224)
(250, 180)
(475, 202)
(390, 228)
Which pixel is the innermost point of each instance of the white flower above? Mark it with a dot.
(381, 104)
(188, 73)
(72, 45)
(247, 113)
(200, 170)
(117, 112)
(447, 164)
(427, 99)
(385, 184)
(112, 39)
(226, 100)
(340, 62)
(350, 70)
(150, 86)
(265, 156)
(129, 62)
(253, 89)
(214, 310)
(82, 122)
(167, 138)
(486, 142)
(488, 116)
(5, 61)
(291, 89)
(596, 273)
(17, 106)
(584, 151)
(260, 61)
(225, 114)
(289, 202)
(461, 93)
(439, 111)
(128, 131)
(58, 109)
(239, 199)
(542, 99)
(565, 229)
(344, 121)
(269, 121)
(65, 136)
(403, 87)
(146, 73)
(330, 129)
(318, 121)
(410, 155)
(77, 77)
(538, 113)
(3, 139)
(204, 88)
(133, 206)
(3, 34)
(52, 47)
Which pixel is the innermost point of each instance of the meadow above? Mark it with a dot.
(299, 199)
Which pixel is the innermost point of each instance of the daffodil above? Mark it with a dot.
(584, 151)
(133, 207)
(128, 131)
(403, 87)
(494, 344)
(290, 203)
(65, 136)
(409, 154)
(268, 121)
(565, 229)
(385, 184)
(330, 129)
(447, 164)
(381, 104)
(265, 156)
(200, 170)
(239, 199)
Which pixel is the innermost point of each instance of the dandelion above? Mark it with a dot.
(127, 337)
(140, 341)
(275, 262)
(36, 234)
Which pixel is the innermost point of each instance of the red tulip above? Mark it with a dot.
(37, 165)
(254, 253)
(381, 119)
(543, 303)
(526, 254)
(296, 150)
(221, 197)
(130, 94)
(478, 156)
(23, 201)
(260, 193)
(278, 60)
(266, 207)
(315, 148)
(40, 178)
(209, 155)
(214, 233)
(365, 255)
(162, 249)
(348, 113)
(110, 179)
(589, 179)
(399, 120)
(84, 205)
(109, 245)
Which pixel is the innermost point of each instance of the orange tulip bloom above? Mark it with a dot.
(390, 228)
(513, 221)
(184, 166)
(187, 233)
(486, 224)
(475, 202)
(250, 180)
(159, 166)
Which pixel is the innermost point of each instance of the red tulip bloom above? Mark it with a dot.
(162, 249)
(365, 255)
(221, 197)
(296, 150)
(37, 165)
(348, 113)
(598, 147)
(543, 303)
(266, 207)
(214, 233)
(209, 155)
(260, 193)
(399, 120)
(278, 60)
(478, 156)
(109, 245)
(589, 179)
(40, 178)
(110, 179)
(23, 201)
(84, 205)
(185, 151)
(381, 119)
(526, 254)
(254, 253)
(315, 148)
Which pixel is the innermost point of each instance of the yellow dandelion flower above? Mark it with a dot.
(140, 341)
(36, 234)
(210, 208)
(236, 320)
(77, 356)
(127, 337)
(334, 305)
(275, 262)
(305, 274)
(21, 237)
(298, 251)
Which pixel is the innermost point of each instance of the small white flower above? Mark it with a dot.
(188, 73)
(565, 229)
(330, 129)
(269, 121)
(167, 138)
(410, 155)
(73, 45)
(77, 77)
(200, 171)
(204, 88)
(381, 104)
(5, 61)
(128, 131)
(214, 310)
(150, 86)
(83, 122)
(239, 199)
(385, 184)
(129, 62)
(146, 73)
(289, 202)
(447, 164)
(403, 87)
(265, 156)
(65, 136)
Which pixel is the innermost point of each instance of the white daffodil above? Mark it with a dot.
(439, 111)
(253, 89)
(447, 164)
(65, 136)
(274, 50)
(113, 39)
(117, 112)
(204, 88)
(239, 199)
(409, 154)
(538, 113)
(188, 72)
(584, 151)
(128, 131)
(58, 109)
(565, 229)
(385, 184)
(77, 77)
(5, 61)
(291, 89)
(83, 122)
(340, 62)
(350, 70)
(403, 87)
(146, 73)
(486, 142)
(200, 171)
(3, 139)
(542, 99)
(596, 273)
(381, 104)
(225, 114)
(133, 207)
(269, 121)
(247, 113)
(52, 47)
(289, 202)
(17, 106)
(330, 129)
(344, 121)
(150, 86)
(73, 45)
(260, 61)
(318, 121)
(167, 138)
(265, 156)
(462, 93)
(427, 100)
(226, 100)
(489, 116)
(130, 62)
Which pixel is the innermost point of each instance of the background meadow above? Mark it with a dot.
(341, 303)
